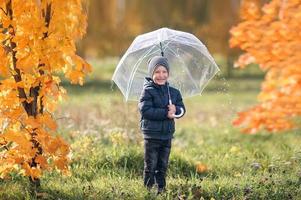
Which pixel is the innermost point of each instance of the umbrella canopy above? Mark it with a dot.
(191, 65)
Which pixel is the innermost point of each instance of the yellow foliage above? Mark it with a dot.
(48, 121)
(117, 138)
(41, 160)
(32, 122)
(18, 138)
(5, 168)
(234, 149)
(4, 62)
(36, 42)
(271, 37)
(61, 163)
(33, 172)
(76, 77)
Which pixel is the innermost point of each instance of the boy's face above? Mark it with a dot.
(160, 75)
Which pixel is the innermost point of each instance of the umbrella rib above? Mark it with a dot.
(200, 44)
(209, 57)
(187, 71)
(153, 44)
(134, 71)
(145, 47)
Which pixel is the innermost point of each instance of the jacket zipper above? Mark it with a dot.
(162, 100)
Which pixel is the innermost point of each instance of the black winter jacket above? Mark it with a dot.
(153, 107)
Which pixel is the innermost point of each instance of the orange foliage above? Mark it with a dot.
(270, 36)
(37, 40)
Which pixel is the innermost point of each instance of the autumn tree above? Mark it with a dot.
(37, 43)
(270, 36)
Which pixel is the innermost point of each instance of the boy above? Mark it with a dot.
(157, 121)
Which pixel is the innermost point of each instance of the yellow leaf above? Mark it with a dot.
(201, 168)
(15, 114)
(41, 160)
(18, 138)
(61, 163)
(76, 77)
(234, 149)
(53, 145)
(82, 65)
(5, 169)
(5, 21)
(28, 63)
(19, 160)
(237, 174)
(32, 122)
(33, 172)
(48, 121)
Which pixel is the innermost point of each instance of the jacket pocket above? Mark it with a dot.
(169, 126)
(153, 126)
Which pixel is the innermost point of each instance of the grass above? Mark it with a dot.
(107, 148)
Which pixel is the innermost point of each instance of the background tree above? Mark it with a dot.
(210, 20)
(37, 41)
(270, 36)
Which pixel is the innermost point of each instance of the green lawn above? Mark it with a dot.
(107, 148)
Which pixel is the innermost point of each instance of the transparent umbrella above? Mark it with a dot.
(191, 65)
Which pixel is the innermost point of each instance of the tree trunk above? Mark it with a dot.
(229, 67)
(32, 107)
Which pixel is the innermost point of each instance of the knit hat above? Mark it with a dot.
(156, 61)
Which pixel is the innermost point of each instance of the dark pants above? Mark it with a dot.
(156, 155)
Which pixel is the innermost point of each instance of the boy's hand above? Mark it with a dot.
(172, 108)
(170, 115)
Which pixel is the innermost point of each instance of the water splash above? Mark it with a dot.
(227, 108)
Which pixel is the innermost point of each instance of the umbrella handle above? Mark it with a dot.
(170, 103)
(181, 113)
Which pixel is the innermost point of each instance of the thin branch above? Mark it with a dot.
(3, 11)
(58, 118)
(47, 16)
(12, 45)
(24, 127)
(6, 145)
